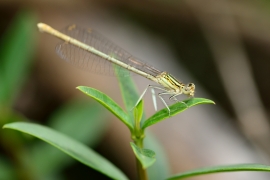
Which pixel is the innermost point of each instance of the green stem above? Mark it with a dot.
(142, 174)
(138, 136)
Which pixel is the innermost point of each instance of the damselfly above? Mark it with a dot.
(89, 50)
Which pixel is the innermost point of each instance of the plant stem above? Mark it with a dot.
(138, 136)
(142, 174)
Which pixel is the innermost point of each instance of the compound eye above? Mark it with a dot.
(191, 89)
(189, 86)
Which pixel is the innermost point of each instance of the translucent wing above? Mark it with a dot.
(91, 62)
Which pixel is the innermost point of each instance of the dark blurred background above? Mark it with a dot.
(221, 46)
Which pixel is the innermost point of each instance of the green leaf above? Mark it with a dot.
(138, 112)
(108, 103)
(129, 93)
(17, 48)
(175, 109)
(145, 156)
(128, 89)
(88, 117)
(79, 119)
(218, 169)
(71, 147)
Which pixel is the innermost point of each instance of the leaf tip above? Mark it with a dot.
(6, 126)
(80, 88)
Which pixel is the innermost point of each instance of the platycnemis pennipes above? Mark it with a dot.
(89, 50)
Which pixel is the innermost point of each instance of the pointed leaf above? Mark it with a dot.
(108, 103)
(71, 147)
(138, 112)
(128, 89)
(218, 169)
(86, 116)
(145, 156)
(175, 109)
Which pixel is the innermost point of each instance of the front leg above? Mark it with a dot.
(153, 95)
(173, 97)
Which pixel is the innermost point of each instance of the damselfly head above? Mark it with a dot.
(189, 89)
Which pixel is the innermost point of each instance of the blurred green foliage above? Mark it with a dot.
(80, 119)
(17, 47)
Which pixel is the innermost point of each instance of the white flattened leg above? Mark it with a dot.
(154, 98)
(140, 98)
(153, 95)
